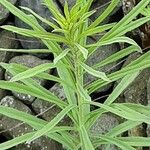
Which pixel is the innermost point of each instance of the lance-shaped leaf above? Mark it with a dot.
(38, 34)
(26, 50)
(83, 50)
(97, 30)
(87, 144)
(117, 142)
(33, 71)
(51, 124)
(116, 40)
(41, 18)
(105, 14)
(95, 73)
(62, 55)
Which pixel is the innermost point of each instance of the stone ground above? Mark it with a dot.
(137, 92)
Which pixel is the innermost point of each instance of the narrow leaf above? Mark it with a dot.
(83, 50)
(95, 73)
(33, 71)
(51, 124)
(62, 55)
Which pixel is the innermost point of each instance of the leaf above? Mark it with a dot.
(125, 82)
(136, 141)
(37, 34)
(116, 40)
(48, 127)
(137, 65)
(33, 71)
(34, 122)
(126, 19)
(116, 56)
(117, 142)
(95, 73)
(16, 141)
(20, 14)
(82, 50)
(87, 144)
(97, 30)
(105, 14)
(123, 127)
(62, 55)
(66, 11)
(40, 18)
(17, 87)
(26, 50)
(54, 10)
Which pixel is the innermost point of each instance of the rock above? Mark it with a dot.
(7, 40)
(40, 9)
(48, 110)
(100, 54)
(136, 93)
(14, 128)
(4, 13)
(103, 125)
(29, 61)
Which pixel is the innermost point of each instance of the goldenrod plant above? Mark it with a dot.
(72, 28)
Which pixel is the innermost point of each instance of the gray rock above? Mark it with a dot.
(48, 110)
(7, 40)
(99, 55)
(29, 61)
(4, 13)
(13, 128)
(136, 93)
(39, 8)
(103, 125)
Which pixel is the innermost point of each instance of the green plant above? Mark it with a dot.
(72, 29)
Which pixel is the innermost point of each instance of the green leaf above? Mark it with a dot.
(62, 55)
(137, 65)
(16, 141)
(20, 14)
(41, 18)
(105, 14)
(54, 10)
(123, 127)
(116, 40)
(87, 144)
(66, 11)
(37, 34)
(136, 141)
(117, 142)
(125, 82)
(95, 73)
(17, 87)
(34, 122)
(33, 71)
(83, 50)
(127, 19)
(48, 127)
(97, 30)
(116, 56)
(26, 50)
